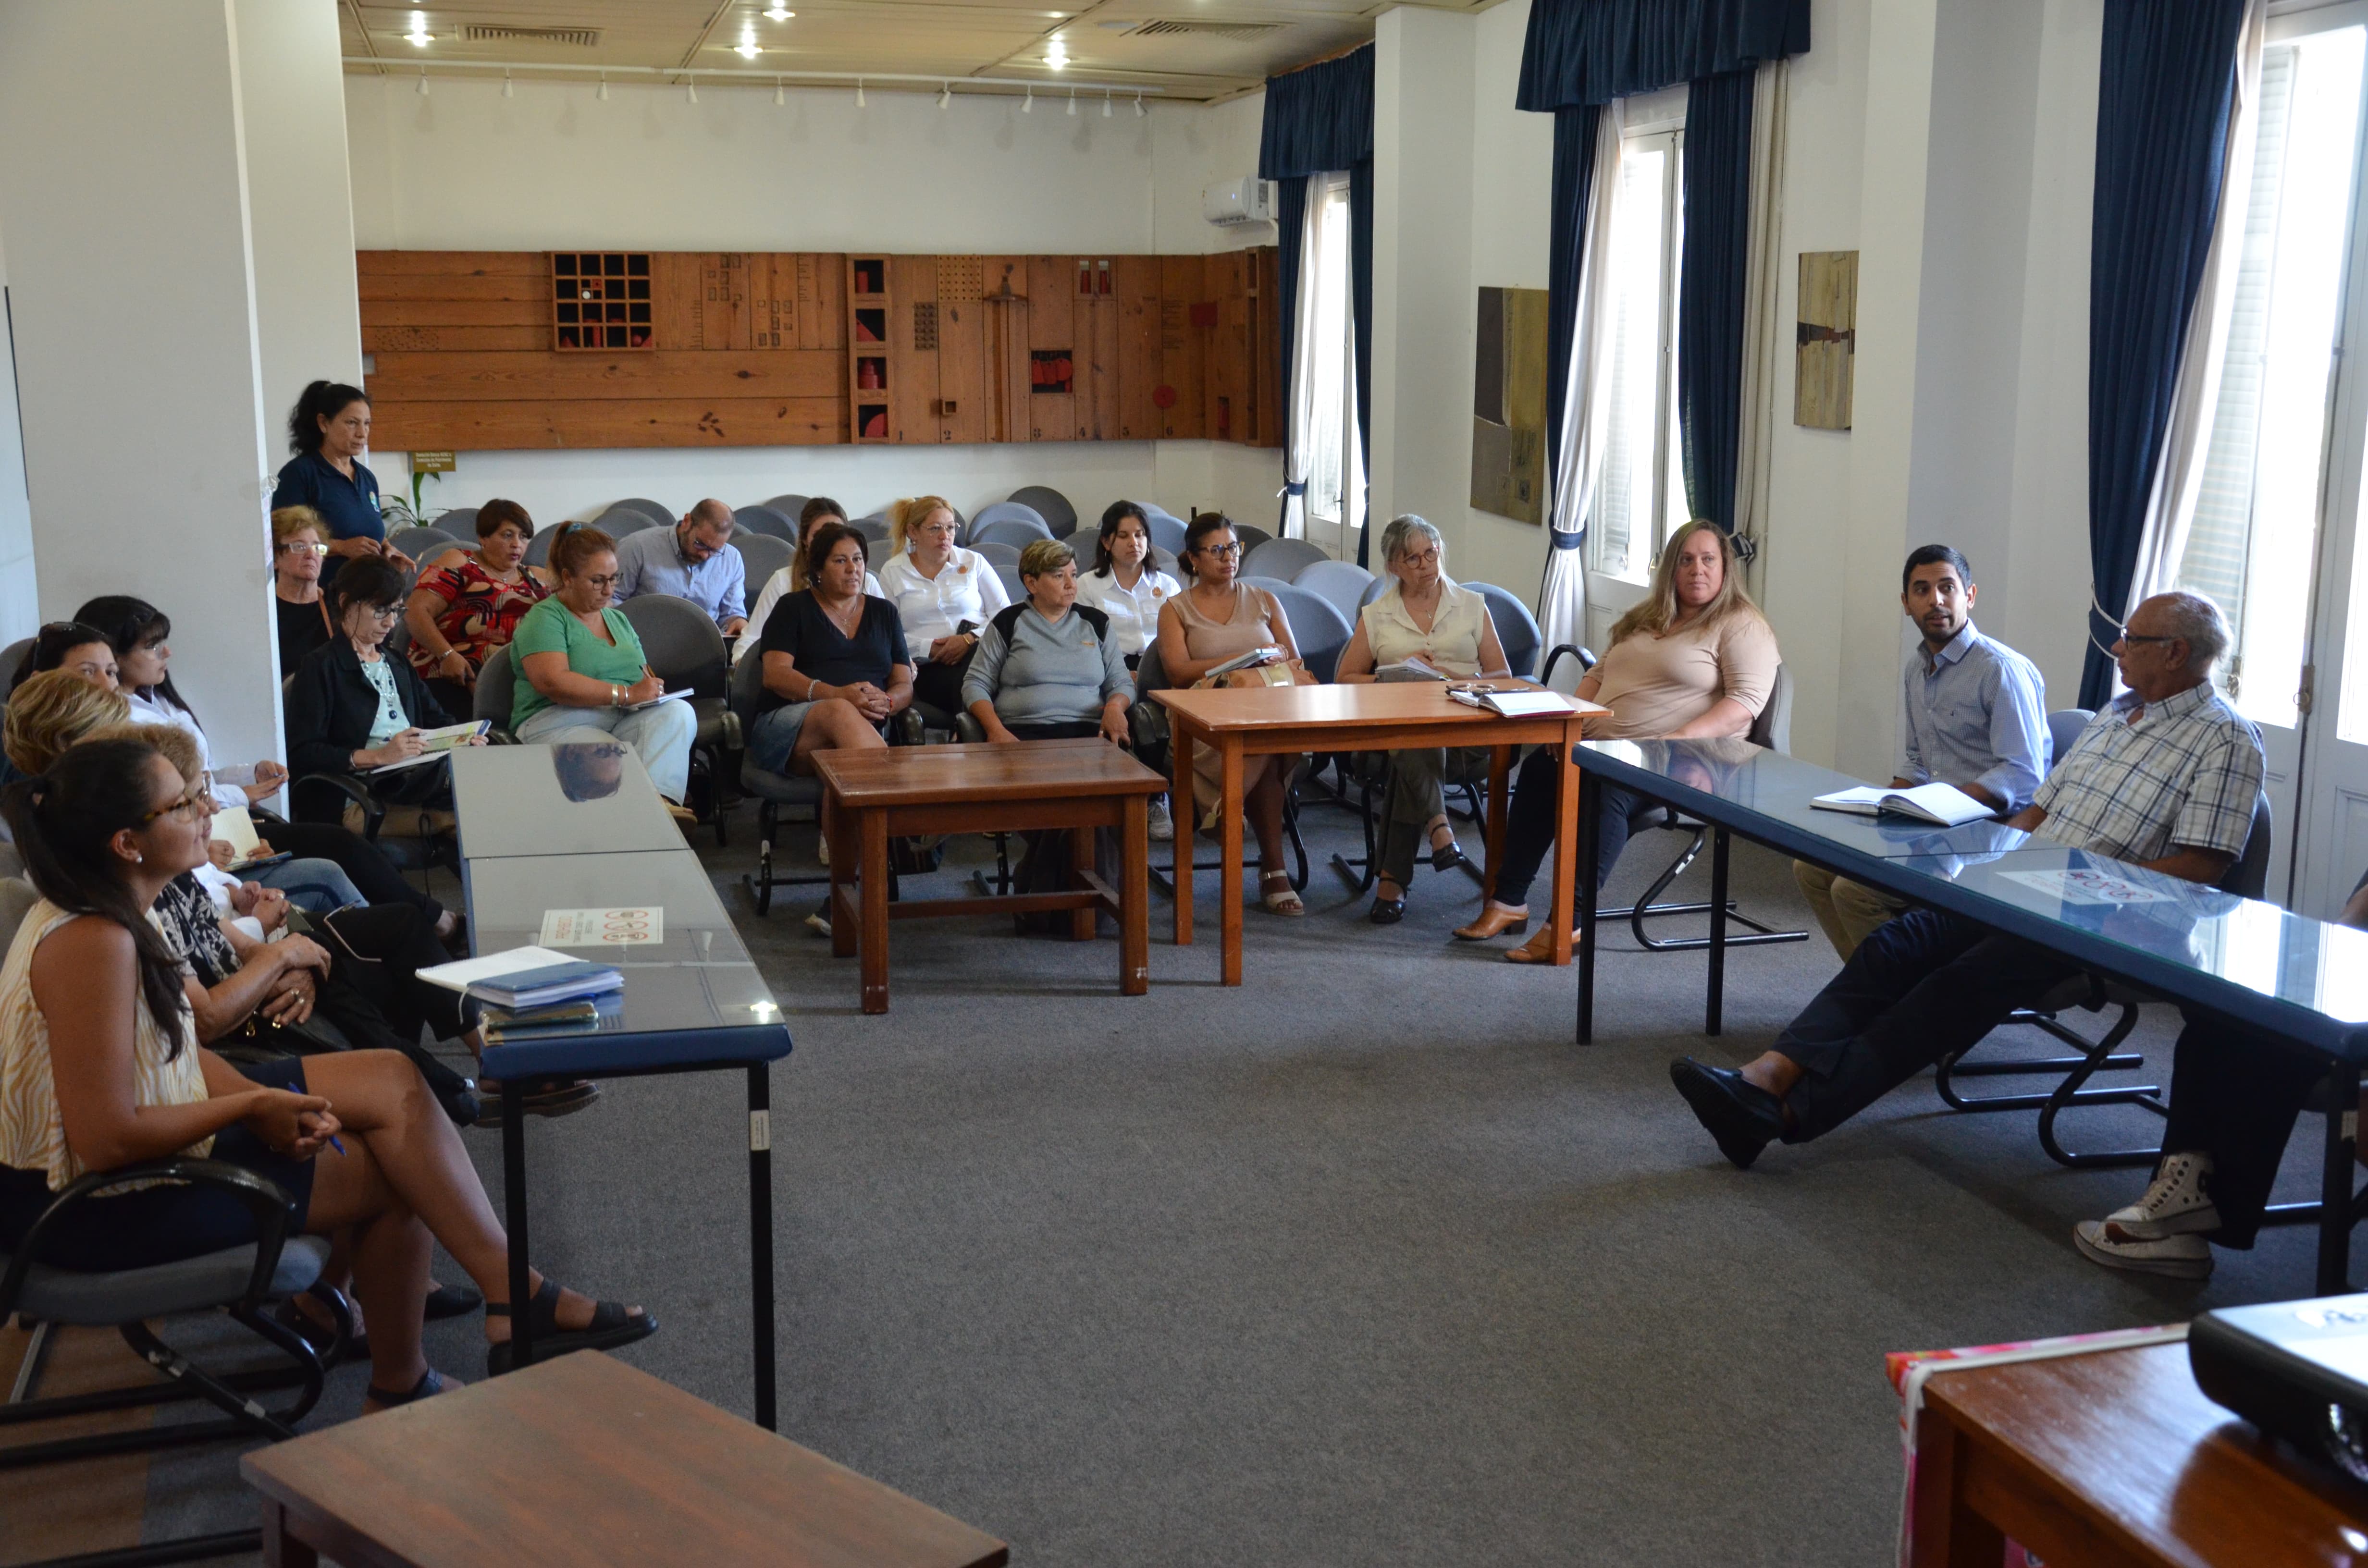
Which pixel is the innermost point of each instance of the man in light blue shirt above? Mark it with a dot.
(1976, 719)
(693, 559)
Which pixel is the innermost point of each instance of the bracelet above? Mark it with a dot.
(616, 696)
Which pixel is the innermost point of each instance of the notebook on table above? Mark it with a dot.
(436, 742)
(1944, 804)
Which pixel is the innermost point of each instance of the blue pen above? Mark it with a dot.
(335, 1143)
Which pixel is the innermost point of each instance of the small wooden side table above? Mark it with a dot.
(2115, 1460)
(587, 1461)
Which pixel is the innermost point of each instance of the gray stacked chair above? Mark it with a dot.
(788, 505)
(538, 549)
(761, 555)
(687, 652)
(1517, 629)
(1164, 560)
(772, 790)
(423, 545)
(12, 659)
(239, 1282)
(1379, 586)
(766, 520)
(1050, 504)
(460, 522)
(996, 553)
(873, 528)
(1320, 630)
(618, 521)
(655, 511)
(496, 689)
(1012, 585)
(1284, 558)
(1008, 522)
(1167, 530)
(1249, 536)
(878, 552)
(1340, 584)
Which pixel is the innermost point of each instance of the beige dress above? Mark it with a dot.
(1246, 626)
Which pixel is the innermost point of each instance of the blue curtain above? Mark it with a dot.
(1320, 121)
(1291, 238)
(1574, 170)
(1710, 276)
(1591, 51)
(2164, 94)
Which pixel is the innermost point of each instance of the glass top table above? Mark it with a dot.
(571, 798)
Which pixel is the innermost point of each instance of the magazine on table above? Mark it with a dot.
(1522, 702)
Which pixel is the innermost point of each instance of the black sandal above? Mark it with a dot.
(451, 1302)
(429, 1383)
(1447, 857)
(611, 1326)
(1386, 910)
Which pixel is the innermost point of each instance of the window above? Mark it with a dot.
(1640, 496)
(1336, 477)
(2255, 536)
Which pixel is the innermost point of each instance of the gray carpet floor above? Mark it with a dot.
(1362, 1261)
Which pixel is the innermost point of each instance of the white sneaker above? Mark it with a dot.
(822, 853)
(2175, 1204)
(819, 921)
(2180, 1257)
(1162, 827)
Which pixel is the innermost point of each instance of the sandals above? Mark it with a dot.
(1386, 910)
(1447, 857)
(1279, 901)
(611, 1326)
(429, 1383)
(334, 1342)
(451, 1302)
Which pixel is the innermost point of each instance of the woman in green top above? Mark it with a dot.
(584, 675)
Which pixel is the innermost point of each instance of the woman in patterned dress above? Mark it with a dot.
(467, 602)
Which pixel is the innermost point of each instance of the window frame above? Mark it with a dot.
(1664, 133)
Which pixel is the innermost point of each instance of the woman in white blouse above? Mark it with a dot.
(138, 630)
(1425, 616)
(944, 596)
(1123, 585)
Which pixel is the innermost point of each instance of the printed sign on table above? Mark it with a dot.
(2086, 885)
(601, 928)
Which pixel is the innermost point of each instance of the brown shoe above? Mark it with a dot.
(1537, 949)
(1494, 922)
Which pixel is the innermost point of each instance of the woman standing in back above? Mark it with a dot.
(329, 430)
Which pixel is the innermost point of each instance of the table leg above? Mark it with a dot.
(1500, 795)
(1589, 794)
(281, 1546)
(1134, 899)
(1081, 860)
(1947, 1532)
(760, 1234)
(1713, 1005)
(514, 1215)
(1568, 809)
(2335, 1180)
(846, 859)
(1229, 886)
(875, 876)
(1185, 814)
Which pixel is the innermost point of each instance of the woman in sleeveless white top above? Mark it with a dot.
(354, 1138)
(1214, 619)
(1425, 615)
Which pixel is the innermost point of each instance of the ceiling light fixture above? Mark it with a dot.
(690, 91)
(1073, 103)
(419, 35)
(780, 94)
(509, 88)
(1056, 55)
(604, 86)
(777, 12)
(945, 95)
(423, 81)
(859, 92)
(1139, 110)
(1106, 103)
(1028, 104)
(746, 48)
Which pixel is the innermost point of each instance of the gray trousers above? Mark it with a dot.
(1416, 791)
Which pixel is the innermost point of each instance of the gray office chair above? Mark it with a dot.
(1284, 558)
(1516, 631)
(408, 835)
(618, 522)
(997, 554)
(1013, 588)
(772, 790)
(1167, 531)
(788, 505)
(424, 545)
(496, 694)
(1250, 536)
(238, 1282)
(878, 552)
(1340, 584)
(761, 555)
(1375, 589)
(538, 549)
(1165, 561)
(874, 529)
(766, 520)
(1007, 523)
(1050, 504)
(460, 522)
(686, 650)
(1320, 630)
(657, 512)
(12, 659)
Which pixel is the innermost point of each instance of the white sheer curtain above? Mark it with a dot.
(1299, 451)
(1767, 360)
(2178, 476)
(1586, 399)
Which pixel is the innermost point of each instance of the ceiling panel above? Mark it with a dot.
(949, 37)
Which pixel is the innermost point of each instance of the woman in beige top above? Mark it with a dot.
(100, 1069)
(1695, 659)
(1214, 619)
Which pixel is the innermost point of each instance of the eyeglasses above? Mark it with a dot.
(304, 547)
(382, 612)
(2131, 639)
(1222, 552)
(1427, 558)
(191, 807)
(609, 581)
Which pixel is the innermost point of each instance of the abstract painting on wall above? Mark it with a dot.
(1508, 404)
(1828, 339)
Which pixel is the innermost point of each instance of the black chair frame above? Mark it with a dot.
(243, 1417)
(759, 883)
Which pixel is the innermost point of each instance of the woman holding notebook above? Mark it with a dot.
(353, 710)
(1443, 628)
(1694, 659)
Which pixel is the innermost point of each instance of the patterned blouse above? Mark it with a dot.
(481, 611)
(32, 1130)
(185, 912)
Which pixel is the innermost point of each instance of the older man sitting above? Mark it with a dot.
(2166, 778)
(694, 561)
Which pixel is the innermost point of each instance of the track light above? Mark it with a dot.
(423, 81)
(604, 86)
(748, 47)
(780, 94)
(1028, 104)
(1106, 103)
(1073, 103)
(777, 12)
(945, 95)
(419, 35)
(691, 91)
(1139, 110)
(509, 88)
(859, 92)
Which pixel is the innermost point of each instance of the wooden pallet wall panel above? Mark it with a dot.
(961, 350)
(912, 374)
(1051, 347)
(1265, 350)
(653, 373)
(1137, 325)
(616, 422)
(372, 264)
(1225, 286)
(1183, 348)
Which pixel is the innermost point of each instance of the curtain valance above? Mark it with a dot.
(1319, 119)
(1591, 51)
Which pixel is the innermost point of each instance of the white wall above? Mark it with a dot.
(20, 611)
(554, 166)
(129, 265)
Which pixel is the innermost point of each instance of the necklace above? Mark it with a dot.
(847, 618)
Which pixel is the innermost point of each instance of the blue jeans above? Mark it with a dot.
(316, 886)
(662, 735)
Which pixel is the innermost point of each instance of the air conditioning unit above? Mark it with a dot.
(1248, 199)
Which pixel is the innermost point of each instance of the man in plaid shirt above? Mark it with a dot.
(2166, 778)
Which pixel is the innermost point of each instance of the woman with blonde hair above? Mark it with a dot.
(1694, 659)
(944, 596)
(299, 548)
(49, 712)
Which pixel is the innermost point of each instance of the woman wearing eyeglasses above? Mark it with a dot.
(351, 708)
(299, 547)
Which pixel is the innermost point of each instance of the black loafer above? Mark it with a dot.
(1743, 1117)
(1447, 857)
(1386, 910)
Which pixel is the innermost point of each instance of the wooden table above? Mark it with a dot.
(871, 796)
(1393, 716)
(584, 1460)
(2116, 1458)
